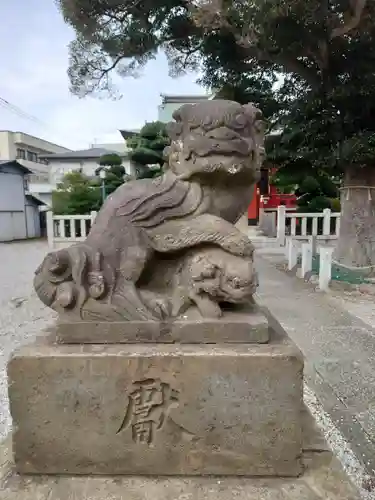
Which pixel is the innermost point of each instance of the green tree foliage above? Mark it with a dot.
(314, 193)
(115, 173)
(303, 168)
(123, 37)
(307, 39)
(77, 194)
(110, 160)
(255, 88)
(324, 49)
(147, 149)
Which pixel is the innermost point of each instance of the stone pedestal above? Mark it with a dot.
(249, 326)
(157, 409)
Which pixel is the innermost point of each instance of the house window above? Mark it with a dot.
(32, 156)
(21, 154)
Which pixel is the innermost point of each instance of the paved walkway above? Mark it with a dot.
(339, 350)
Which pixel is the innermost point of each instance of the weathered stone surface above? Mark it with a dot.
(157, 409)
(159, 246)
(322, 479)
(245, 327)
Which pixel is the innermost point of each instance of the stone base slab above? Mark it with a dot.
(235, 327)
(157, 409)
(322, 479)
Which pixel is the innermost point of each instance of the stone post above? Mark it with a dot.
(293, 251)
(273, 224)
(93, 215)
(50, 229)
(327, 222)
(280, 232)
(325, 268)
(306, 264)
(313, 243)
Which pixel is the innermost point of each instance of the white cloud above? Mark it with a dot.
(33, 77)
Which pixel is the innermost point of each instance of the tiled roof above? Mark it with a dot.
(15, 163)
(82, 154)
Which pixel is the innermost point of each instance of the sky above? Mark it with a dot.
(33, 77)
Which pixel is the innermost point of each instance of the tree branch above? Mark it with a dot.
(353, 19)
(289, 64)
(105, 72)
(300, 68)
(211, 18)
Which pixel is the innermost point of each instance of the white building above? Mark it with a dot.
(127, 134)
(28, 151)
(85, 161)
(116, 147)
(169, 104)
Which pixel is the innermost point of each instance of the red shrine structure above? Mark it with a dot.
(266, 196)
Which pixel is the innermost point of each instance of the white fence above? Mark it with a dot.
(303, 235)
(295, 248)
(64, 230)
(324, 225)
(268, 220)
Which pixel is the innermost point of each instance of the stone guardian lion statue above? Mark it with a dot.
(149, 225)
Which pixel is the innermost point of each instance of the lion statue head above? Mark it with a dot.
(216, 136)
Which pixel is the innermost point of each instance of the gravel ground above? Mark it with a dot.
(358, 304)
(22, 315)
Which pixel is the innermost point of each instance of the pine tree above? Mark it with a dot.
(115, 173)
(147, 150)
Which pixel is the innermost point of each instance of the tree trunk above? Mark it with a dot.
(356, 243)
